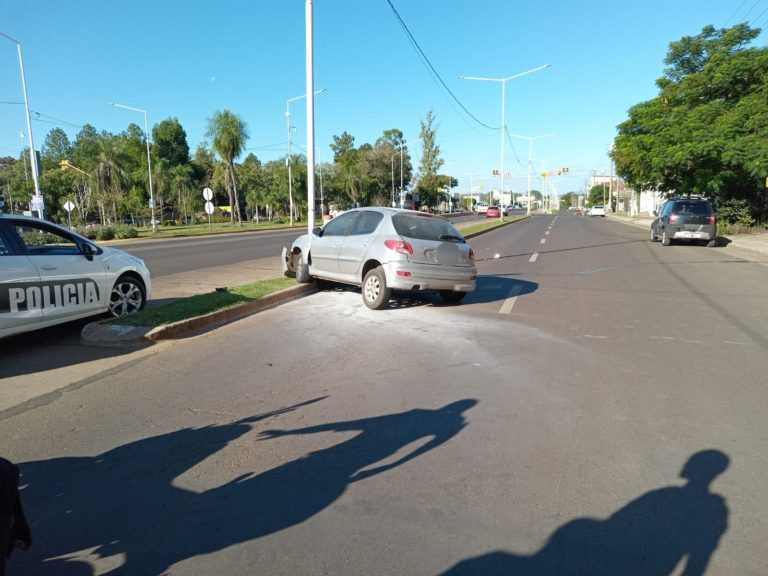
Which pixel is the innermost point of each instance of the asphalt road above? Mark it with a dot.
(598, 405)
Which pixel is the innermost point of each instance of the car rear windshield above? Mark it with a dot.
(693, 207)
(425, 228)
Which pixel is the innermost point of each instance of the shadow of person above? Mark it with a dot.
(119, 512)
(650, 536)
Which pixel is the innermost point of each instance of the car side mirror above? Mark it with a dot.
(317, 231)
(89, 250)
(655, 213)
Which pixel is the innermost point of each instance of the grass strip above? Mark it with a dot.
(201, 304)
(169, 231)
(488, 225)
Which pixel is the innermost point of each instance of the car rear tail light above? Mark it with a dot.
(471, 255)
(399, 246)
(404, 273)
(712, 219)
(672, 218)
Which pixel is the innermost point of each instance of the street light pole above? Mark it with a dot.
(149, 162)
(392, 166)
(530, 157)
(32, 154)
(288, 157)
(503, 96)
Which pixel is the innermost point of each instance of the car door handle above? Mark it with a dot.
(49, 267)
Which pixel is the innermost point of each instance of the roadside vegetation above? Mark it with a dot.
(105, 178)
(489, 224)
(201, 304)
(705, 132)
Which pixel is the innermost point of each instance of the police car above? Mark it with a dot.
(50, 275)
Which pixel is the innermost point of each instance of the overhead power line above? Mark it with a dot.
(431, 69)
(735, 12)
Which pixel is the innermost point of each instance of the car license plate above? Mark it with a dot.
(691, 235)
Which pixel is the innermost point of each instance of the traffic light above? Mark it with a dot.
(495, 172)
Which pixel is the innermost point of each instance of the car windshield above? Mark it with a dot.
(425, 228)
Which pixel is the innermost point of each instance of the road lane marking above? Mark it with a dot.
(543, 240)
(509, 303)
(546, 233)
(593, 336)
(533, 257)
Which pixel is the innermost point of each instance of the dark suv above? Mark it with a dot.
(689, 219)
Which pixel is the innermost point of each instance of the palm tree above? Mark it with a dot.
(181, 186)
(109, 179)
(228, 134)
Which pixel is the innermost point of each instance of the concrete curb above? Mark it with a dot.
(111, 335)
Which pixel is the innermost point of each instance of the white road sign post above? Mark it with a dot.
(68, 206)
(208, 195)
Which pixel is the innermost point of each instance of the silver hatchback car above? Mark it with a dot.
(385, 249)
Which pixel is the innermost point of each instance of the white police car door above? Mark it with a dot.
(16, 273)
(70, 283)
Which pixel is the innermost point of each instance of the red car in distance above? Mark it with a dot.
(493, 212)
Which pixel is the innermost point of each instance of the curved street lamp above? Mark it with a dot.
(288, 157)
(149, 162)
(503, 92)
(37, 199)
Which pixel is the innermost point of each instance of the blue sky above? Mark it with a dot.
(189, 59)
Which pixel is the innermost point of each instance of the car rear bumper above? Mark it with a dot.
(698, 234)
(407, 276)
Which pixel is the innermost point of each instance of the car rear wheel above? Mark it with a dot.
(128, 296)
(665, 240)
(451, 296)
(712, 243)
(302, 271)
(376, 293)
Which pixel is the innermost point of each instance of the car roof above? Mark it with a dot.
(20, 217)
(395, 211)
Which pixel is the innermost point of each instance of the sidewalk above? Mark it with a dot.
(756, 244)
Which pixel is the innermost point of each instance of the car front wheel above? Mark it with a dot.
(654, 238)
(376, 293)
(128, 296)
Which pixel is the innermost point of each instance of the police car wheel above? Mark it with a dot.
(128, 296)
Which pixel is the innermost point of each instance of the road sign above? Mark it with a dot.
(37, 203)
(68, 206)
(209, 208)
(208, 195)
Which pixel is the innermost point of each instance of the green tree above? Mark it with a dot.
(598, 195)
(109, 179)
(429, 186)
(706, 130)
(182, 185)
(228, 134)
(170, 142)
(341, 145)
(55, 149)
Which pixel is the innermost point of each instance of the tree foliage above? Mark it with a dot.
(228, 134)
(706, 131)
(106, 176)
